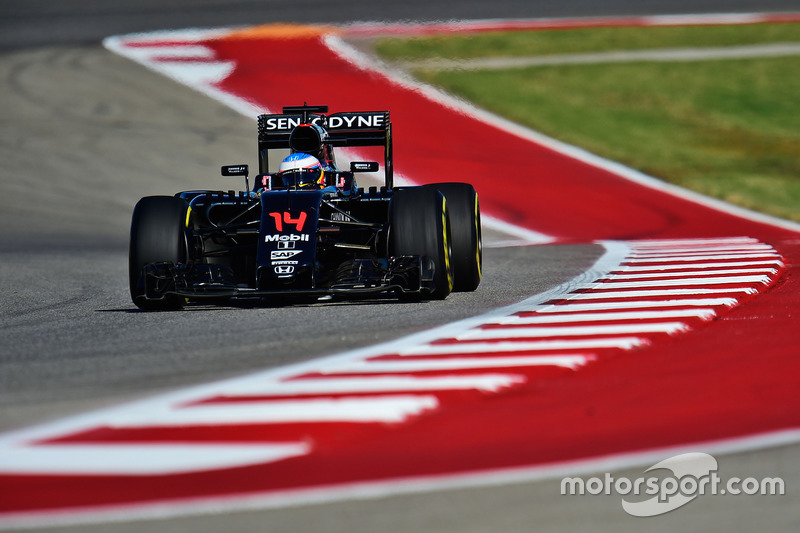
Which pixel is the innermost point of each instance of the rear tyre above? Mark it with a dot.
(158, 234)
(465, 221)
(419, 225)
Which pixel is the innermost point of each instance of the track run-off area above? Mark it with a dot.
(681, 334)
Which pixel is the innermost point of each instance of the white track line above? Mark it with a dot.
(624, 343)
(141, 460)
(570, 306)
(670, 254)
(612, 284)
(601, 295)
(568, 317)
(693, 273)
(387, 409)
(512, 332)
(705, 257)
(636, 251)
(648, 268)
(466, 363)
(300, 386)
(693, 243)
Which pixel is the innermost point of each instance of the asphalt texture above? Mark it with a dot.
(84, 134)
(114, 132)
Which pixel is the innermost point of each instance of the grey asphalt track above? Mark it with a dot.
(112, 133)
(84, 134)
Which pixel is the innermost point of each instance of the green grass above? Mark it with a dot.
(729, 129)
(545, 42)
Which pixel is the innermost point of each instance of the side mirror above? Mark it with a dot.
(364, 166)
(237, 170)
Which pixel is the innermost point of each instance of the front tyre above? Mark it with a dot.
(419, 225)
(158, 234)
(465, 221)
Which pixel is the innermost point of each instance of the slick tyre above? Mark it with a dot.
(158, 234)
(419, 225)
(465, 228)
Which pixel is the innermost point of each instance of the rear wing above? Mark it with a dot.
(306, 128)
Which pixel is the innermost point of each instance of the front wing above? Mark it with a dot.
(405, 274)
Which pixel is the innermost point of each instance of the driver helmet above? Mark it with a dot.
(301, 170)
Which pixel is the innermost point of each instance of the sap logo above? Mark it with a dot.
(283, 254)
(284, 270)
(283, 238)
(356, 121)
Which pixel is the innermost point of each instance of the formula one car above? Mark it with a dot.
(307, 232)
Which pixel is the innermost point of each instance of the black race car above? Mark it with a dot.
(295, 235)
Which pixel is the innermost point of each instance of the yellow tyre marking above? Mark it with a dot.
(446, 248)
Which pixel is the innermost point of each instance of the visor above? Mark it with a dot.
(301, 178)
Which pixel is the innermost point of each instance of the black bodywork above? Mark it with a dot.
(272, 239)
